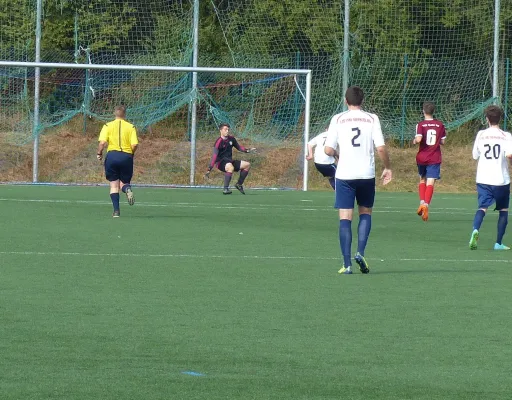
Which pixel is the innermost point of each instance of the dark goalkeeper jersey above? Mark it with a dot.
(223, 149)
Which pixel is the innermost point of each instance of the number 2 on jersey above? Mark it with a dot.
(358, 133)
(431, 137)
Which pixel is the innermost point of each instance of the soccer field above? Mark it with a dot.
(196, 295)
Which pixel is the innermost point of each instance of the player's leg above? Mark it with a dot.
(329, 171)
(126, 177)
(112, 175)
(502, 195)
(228, 168)
(433, 173)
(422, 172)
(345, 197)
(365, 196)
(243, 167)
(485, 200)
(114, 197)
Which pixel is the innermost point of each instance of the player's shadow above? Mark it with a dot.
(168, 216)
(429, 271)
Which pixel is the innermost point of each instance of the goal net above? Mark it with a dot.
(401, 53)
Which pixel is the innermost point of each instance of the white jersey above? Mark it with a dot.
(319, 156)
(491, 147)
(355, 132)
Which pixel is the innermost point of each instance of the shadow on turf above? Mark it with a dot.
(164, 216)
(428, 271)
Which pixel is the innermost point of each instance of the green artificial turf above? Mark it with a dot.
(196, 295)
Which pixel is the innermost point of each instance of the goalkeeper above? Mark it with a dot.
(222, 158)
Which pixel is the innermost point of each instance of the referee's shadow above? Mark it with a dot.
(160, 216)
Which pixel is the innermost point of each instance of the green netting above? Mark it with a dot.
(401, 52)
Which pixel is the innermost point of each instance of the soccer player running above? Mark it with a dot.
(222, 158)
(356, 132)
(324, 164)
(492, 148)
(430, 135)
(120, 139)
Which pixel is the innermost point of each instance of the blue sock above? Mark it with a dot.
(479, 218)
(346, 241)
(363, 231)
(125, 187)
(332, 183)
(502, 225)
(115, 200)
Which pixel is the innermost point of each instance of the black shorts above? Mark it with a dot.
(119, 165)
(222, 165)
(327, 170)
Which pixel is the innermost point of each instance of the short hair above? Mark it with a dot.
(354, 96)
(223, 125)
(493, 114)
(429, 108)
(120, 110)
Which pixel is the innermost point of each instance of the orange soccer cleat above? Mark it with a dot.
(424, 215)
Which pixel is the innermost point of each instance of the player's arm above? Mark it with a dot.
(443, 136)
(134, 141)
(311, 145)
(309, 156)
(241, 148)
(214, 156)
(476, 151)
(102, 142)
(331, 142)
(418, 136)
(382, 151)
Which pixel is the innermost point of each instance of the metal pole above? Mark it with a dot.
(296, 96)
(496, 50)
(125, 67)
(346, 50)
(307, 112)
(37, 79)
(505, 100)
(193, 118)
(404, 102)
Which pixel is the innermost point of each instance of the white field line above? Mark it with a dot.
(252, 257)
(383, 209)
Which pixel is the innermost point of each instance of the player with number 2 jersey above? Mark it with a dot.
(356, 134)
(430, 135)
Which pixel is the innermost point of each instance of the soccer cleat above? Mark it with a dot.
(424, 215)
(240, 188)
(363, 265)
(500, 247)
(473, 242)
(345, 271)
(129, 196)
(420, 210)
(227, 191)
(116, 214)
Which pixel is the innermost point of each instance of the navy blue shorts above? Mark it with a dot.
(490, 194)
(327, 170)
(362, 190)
(119, 165)
(430, 171)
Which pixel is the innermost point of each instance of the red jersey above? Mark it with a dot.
(432, 132)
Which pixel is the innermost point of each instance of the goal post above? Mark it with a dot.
(289, 73)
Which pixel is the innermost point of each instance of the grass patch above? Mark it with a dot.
(101, 308)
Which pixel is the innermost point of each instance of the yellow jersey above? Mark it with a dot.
(120, 136)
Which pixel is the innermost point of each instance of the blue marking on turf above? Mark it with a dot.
(192, 373)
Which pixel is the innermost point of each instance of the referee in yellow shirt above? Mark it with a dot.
(120, 138)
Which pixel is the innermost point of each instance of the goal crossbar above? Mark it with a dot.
(121, 67)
